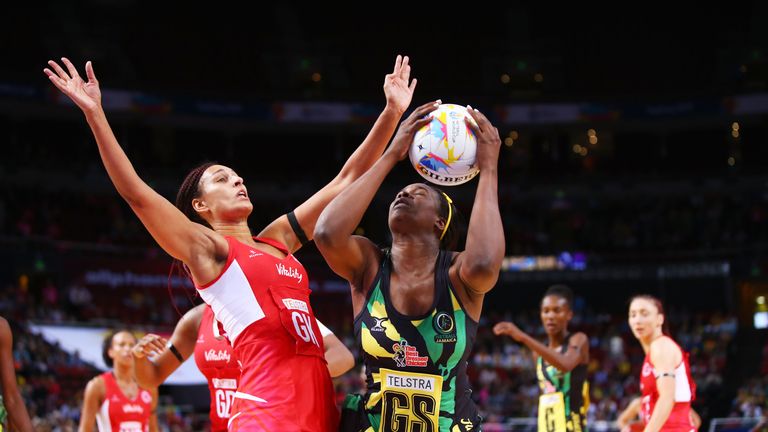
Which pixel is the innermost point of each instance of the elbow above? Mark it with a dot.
(486, 262)
(321, 236)
(343, 364)
(136, 195)
(324, 236)
(349, 362)
(568, 367)
(134, 200)
(486, 270)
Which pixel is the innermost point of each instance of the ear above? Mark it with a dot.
(661, 320)
(439, 225)
(199, 205)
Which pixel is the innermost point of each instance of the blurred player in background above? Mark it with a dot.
(114, 401)
(561, 365)
(665, 380)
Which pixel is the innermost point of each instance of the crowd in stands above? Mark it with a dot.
(502, 373)
(752, 397)
(83, 208)
(701, 222)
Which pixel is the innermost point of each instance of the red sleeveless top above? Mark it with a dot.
(262, 302)
(685, 392)
(120, 414)
(217, 361)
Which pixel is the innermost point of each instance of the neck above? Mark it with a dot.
(413, 254)
(646, 343)
(123, 372)
(238, 230)
(556, 339)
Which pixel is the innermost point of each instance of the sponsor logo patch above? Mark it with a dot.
(406, 355)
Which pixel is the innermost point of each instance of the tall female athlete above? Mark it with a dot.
(198, 332)
(114, 399)
(257, 289)
(417, 304)
(561, 365)
(665, 380)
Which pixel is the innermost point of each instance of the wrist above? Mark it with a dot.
(488, 169)
(393, 110)
(94, 113)
(390, 157)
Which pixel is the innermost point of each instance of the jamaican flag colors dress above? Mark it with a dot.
(564, 396)
(416, 366)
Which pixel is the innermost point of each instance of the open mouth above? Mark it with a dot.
(400, 202)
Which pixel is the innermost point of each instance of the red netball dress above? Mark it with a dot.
(685, 391)
(120, 414)
(217, 361)
(262, 302)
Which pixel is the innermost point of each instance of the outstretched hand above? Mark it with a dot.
(397, 89)
(408, 128)
(151, 345)
(85, 95)
(509, 329)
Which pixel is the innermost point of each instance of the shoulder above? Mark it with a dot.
(664, 344)
(373, 255)
(578, 339)
(192, 319)
(96, 387)
(369, 247)
(664, 349)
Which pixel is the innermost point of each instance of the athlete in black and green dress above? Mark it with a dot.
(561, 366)
(416, 304)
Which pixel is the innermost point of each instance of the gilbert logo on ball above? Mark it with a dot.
(443, 151)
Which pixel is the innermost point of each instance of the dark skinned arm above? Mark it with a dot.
(346, 254)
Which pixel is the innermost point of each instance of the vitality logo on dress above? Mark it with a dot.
(220, 355)
(406, 355)
(133, 409)
(289, 272)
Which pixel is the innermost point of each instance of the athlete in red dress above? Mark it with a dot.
(210, 220)
(217, 361)
(263, 304)
(198, 332)
(113, 400)
(665, 380)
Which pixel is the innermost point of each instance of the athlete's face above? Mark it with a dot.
(223, 196)
(120, 351)
(555, 314)
(416, 206)
(644, 318)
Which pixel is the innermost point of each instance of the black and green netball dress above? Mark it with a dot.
(416, 366)
(564, 396)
